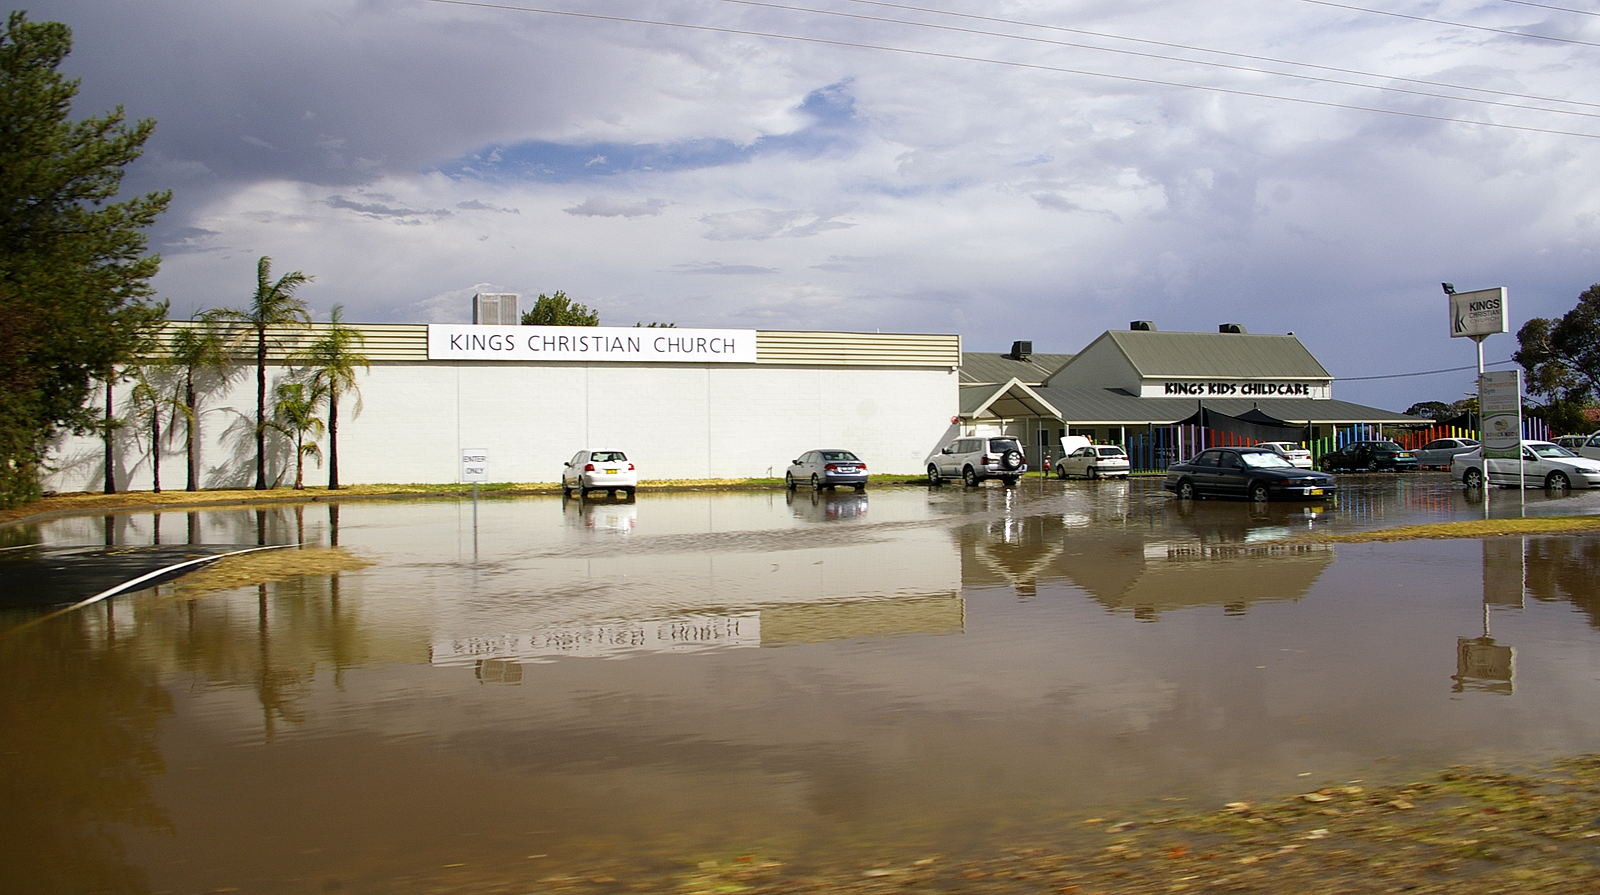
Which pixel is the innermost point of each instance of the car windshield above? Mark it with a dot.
(1111, 452)
(1551, 450)
(839, 455)
(1264, 460)
(608, 457)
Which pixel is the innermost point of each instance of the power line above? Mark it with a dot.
(1167, 58)
(482, 4)
(1249, 56)
(1401, 15)
(1581, 12)
(1497, 363)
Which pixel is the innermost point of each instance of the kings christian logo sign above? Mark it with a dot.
(1478, 313)
(607, 344)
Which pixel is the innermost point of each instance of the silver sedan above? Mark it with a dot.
(826, 469)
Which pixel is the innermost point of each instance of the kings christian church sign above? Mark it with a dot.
(604, 344)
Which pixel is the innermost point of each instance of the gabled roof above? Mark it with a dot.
(1013, 400)
(1212, 355)
(987, 368)
(1084, 405)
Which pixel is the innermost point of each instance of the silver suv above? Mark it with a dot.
(977, 457)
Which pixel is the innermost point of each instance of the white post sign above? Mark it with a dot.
(474, 465)
(1500, 406)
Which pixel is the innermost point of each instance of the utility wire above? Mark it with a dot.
(1251, 57)
(1581, 12)
(482, 4)
(1167, 58)
(1497, 363)
(1401, 15)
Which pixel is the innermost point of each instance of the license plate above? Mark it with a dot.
(1315, 492)
(611, 472)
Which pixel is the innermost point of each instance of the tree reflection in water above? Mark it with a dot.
(79, 732)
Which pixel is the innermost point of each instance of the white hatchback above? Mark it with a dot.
(599, 471)
(1094, 461)
(1296, 455)
(1544, 465)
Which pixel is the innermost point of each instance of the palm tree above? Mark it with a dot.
(198, 350)
(148, 397)
(295, 415)
(331, 363)
(274, 304)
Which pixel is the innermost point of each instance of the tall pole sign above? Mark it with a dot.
(1477, 315)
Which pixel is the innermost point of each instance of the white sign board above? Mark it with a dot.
(1479, 313)
(1500, 404)
(474, 465)
(608, 344)
(1236, 388)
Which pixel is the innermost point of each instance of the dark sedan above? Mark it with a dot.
(1256, 473)
(1370, 456)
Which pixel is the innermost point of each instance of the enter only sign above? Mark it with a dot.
(474, 465)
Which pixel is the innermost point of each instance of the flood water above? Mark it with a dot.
(534, 689)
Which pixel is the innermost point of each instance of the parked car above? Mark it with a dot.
(1252, 472)
(1439, 452)
(1573, 443)
(593, 470)
(1370, 456)
(826, 469)
(974, 458)
(1544, 464)
(1291, 451)
(1590, 447)
(1094, 461)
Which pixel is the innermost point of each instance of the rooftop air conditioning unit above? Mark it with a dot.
(1142, 326)
(496, 309)
(1231, 328)
(1020, 350)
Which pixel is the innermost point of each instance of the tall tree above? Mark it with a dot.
(559, 310)
(197, 351)
(149, 397)
(74, 276)
(331, 363)
(1562, 360)
(273, 305)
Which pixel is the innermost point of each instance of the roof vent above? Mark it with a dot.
(1142, 326)
(1231, 328)
(1020, 350)
(496, 309)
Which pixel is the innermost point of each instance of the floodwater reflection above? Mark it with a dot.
(692, 676)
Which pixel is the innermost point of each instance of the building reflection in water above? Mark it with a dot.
(1225, 554)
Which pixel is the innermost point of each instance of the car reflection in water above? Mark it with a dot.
(609, 516)
(827, 506)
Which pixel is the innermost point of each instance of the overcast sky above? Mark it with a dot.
(1002, 170)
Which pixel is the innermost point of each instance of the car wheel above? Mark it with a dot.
(1186, 490)
(628, 493)
(816, 483)
(933, 475)
(566, 491)
(1061, 472)
(861, 489)
(970, 476)
(1094, 473)
(1258, 492)
(788, 481)
(1010, 481)
(1372, 466)
(1473, 478)
(1557, 481)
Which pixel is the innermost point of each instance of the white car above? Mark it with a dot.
(1591, 447)
(1094, 461)
(1291, 451)
(593, 470)
(1544, 465)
